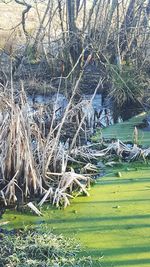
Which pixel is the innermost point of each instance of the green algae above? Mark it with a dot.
(113, 224)
(124, 131)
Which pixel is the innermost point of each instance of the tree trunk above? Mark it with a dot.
(126, 26)
(71, 16)
(75, 41)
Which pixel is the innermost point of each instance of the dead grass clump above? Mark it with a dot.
(33, 159)
(33, 162)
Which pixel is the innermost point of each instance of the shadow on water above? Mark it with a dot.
(98, 219)
(116, 201)
(102, 228)
(124, 181)
(123, 251)
(135, 262)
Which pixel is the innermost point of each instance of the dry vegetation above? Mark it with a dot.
(68, 36)
(34, 161)
(33, 158)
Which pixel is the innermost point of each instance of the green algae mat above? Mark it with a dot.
(124, 131)
(113, 224)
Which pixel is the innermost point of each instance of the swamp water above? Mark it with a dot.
(59, 103)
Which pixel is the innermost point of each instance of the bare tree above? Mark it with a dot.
(24, 13)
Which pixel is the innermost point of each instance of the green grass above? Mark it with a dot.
(39, 247)
(124, 131)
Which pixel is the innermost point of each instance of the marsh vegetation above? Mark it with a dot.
(70, 48)
(69, 53)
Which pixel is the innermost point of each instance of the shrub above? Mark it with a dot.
(40, 248)
(127, 91)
